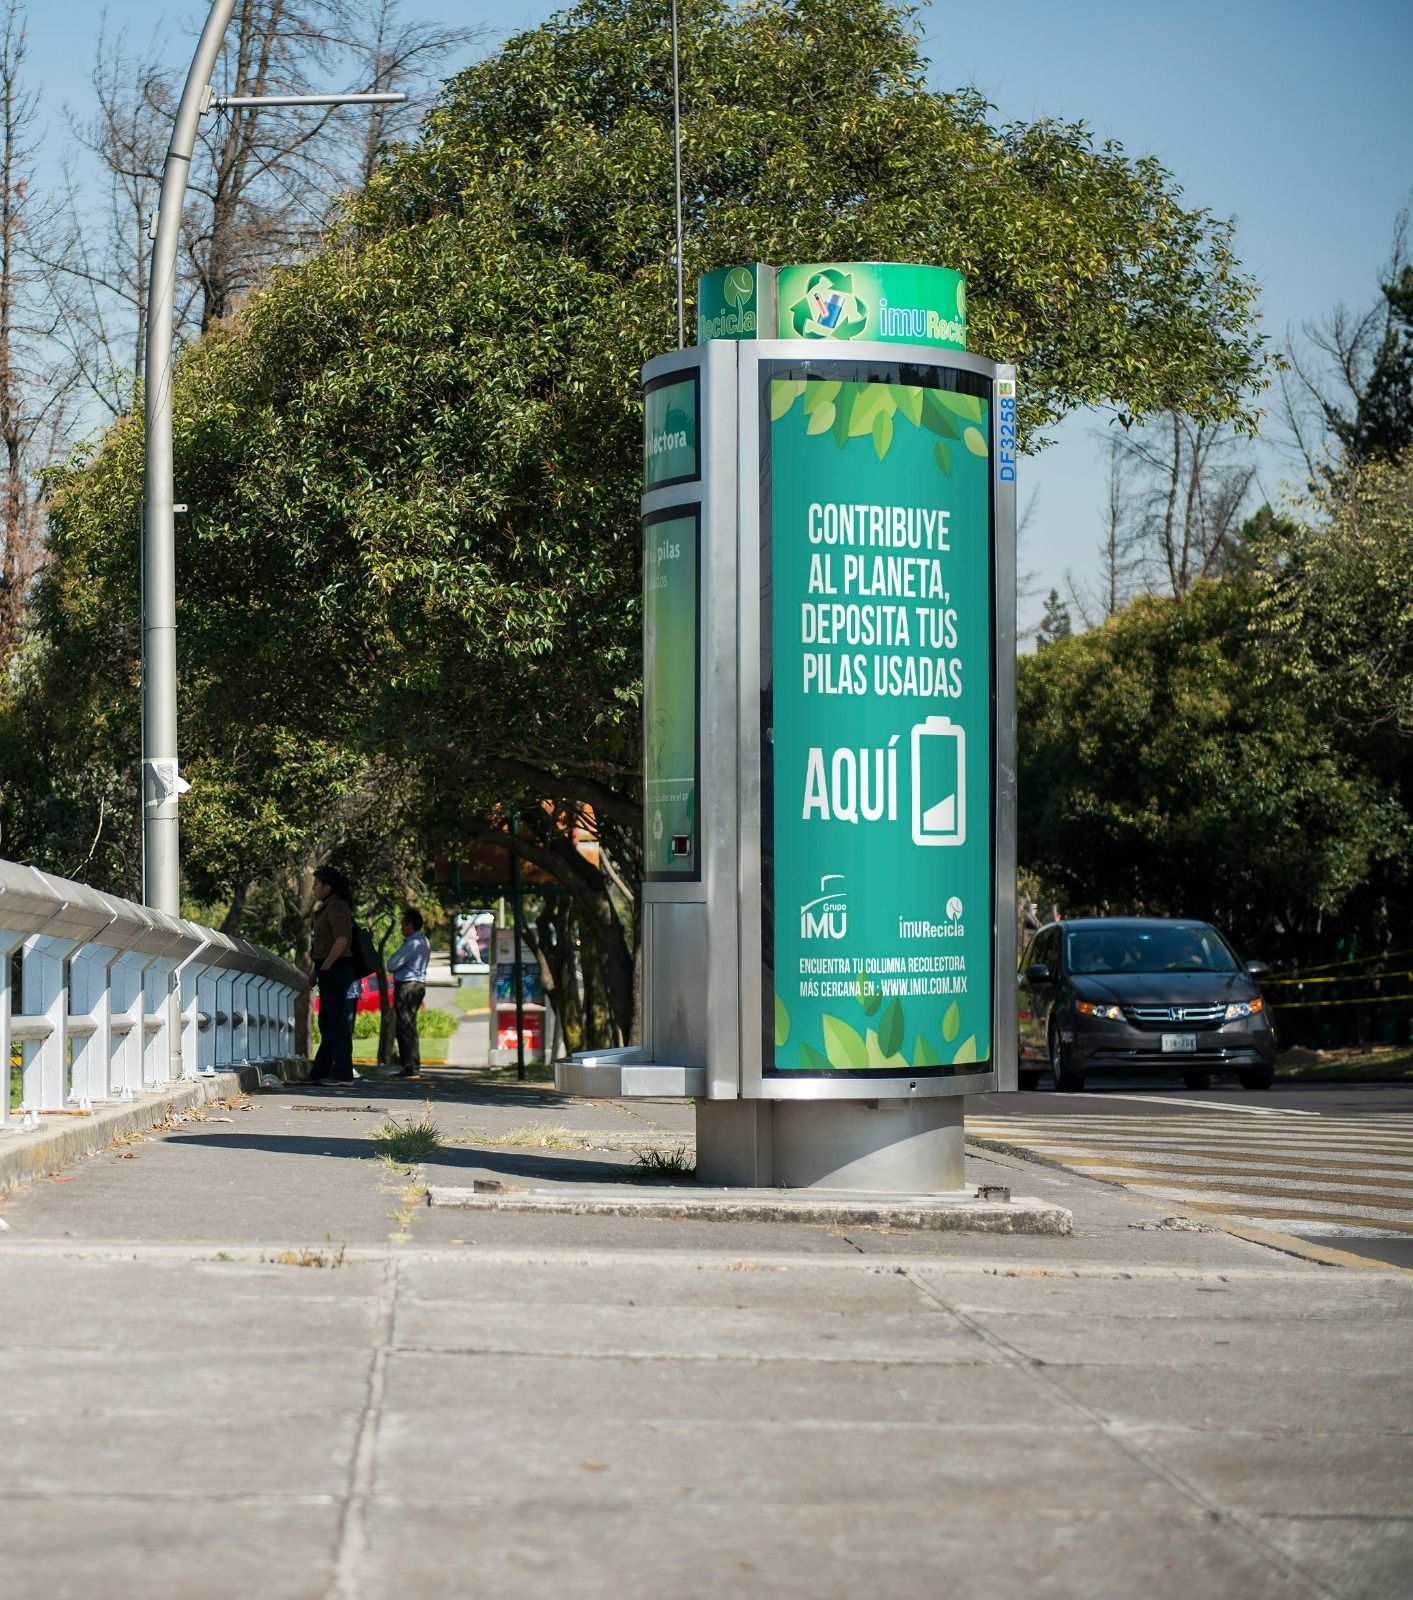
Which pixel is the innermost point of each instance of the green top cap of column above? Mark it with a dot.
(881, 302)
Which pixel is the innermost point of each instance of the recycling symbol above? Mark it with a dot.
(829, 308)
(657, 825)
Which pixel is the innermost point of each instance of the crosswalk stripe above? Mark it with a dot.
(1340, 1174)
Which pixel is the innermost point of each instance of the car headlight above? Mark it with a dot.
(1245, 1008)
(1087, 1008)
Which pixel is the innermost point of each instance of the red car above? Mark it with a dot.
(367, 994)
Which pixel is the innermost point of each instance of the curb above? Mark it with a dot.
(60, 1140)
(928, 1213)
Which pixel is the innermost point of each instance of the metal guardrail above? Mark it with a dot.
(118, 998)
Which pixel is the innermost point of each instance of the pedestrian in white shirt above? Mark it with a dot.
(407, 967)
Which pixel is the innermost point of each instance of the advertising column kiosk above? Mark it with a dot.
(828, 783)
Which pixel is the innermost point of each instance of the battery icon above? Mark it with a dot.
(939, 782)
(828, 306)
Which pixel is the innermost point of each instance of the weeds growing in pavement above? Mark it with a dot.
(402, 1144)
(678, 1161)
(537, 1136)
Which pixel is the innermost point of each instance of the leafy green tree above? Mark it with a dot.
(410, 576)
(1168, 764)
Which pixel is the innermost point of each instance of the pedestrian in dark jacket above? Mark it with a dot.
(330, 944)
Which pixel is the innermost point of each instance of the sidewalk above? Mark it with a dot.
(247, 1358)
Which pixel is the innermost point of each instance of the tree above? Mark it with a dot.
(1337, 607)
(1169, 765)
(34, 390)
(426, 438)
(1055, 623)
(1191, 480)
(1349, 399)
(1119, 561)
(265, 184)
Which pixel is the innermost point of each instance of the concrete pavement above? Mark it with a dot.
(246, 1358)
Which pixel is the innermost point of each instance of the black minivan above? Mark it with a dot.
(1141, 994)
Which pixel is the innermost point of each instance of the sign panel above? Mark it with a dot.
(869, 300)
(731, 303)
(671, 681)
(877, 721)
(670, 437)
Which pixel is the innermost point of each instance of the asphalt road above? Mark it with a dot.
(1331, 1164)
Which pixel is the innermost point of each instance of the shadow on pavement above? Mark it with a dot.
(478, 1158)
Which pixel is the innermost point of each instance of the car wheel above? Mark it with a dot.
(1197, 1080)
(1028, 1080)
(1259, 1078)
(1067, 1080)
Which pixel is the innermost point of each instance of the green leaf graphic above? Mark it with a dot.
(924, 1055)
(882, 434)
(817, 391)
(869, 997)
(966, 1051)
(937, 417)
(975, 441)
(784, 392)
(944, 456)
(952, 1022)
(843, 410)
(965, 405)
(876, 398)
(890, 1028)
(909, 398)
(878, 1057)
(821, 419)
(962, 299)
(843, 1046)
(782, 1022)
(811, 1060)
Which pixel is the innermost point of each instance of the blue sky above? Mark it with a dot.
(1290, 116)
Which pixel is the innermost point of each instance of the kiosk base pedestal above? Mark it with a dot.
(880, 1146)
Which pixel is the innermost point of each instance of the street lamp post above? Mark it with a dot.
(161, 783)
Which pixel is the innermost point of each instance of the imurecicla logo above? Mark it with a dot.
(827, 915)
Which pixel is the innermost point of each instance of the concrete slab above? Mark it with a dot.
(218, 1547)
(930, 1213)
(1353, 1558)
(470, 1395)
(901, 1549)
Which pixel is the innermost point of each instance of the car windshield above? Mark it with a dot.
(1166, 948)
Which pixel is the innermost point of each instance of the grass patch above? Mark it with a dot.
(304, 1258)
(433, 1052)
(677, 1161)
(472, 997)
(537, 1136)
(1351, 1066)
(403, 1144)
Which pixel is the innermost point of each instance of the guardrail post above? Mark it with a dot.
(156, 1020)
(125, 978)
(188, 988)
(90, 998)
(44, 1069)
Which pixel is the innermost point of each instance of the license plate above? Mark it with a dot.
(1179, 1041)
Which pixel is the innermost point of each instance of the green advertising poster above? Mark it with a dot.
(878, 301)
(670, 438)
(878, 848)
(671, 578)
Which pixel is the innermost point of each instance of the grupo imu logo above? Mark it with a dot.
(827, 915)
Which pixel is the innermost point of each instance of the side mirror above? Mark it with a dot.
(1037, 972)
(1257, 969)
